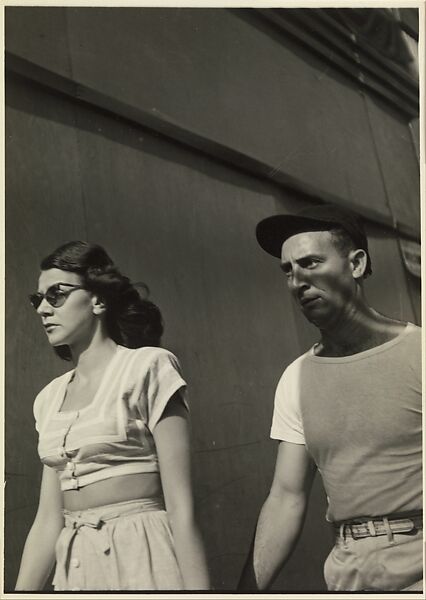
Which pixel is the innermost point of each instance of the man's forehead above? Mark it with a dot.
(306, 242)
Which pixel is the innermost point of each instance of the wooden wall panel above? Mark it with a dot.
(391, 289)
(398, 162)
(40, 36)
(230, 77)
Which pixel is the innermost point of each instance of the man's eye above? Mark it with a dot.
(311, 263)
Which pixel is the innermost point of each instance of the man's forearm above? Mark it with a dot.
(278, 528)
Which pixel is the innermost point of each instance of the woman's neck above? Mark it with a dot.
(94, 356)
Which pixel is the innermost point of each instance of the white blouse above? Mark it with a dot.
(112, 435)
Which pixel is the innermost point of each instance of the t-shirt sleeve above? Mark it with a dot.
(287, 420)
(164, 379)
(413, 353)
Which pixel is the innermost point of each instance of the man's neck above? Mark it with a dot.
(358, 332)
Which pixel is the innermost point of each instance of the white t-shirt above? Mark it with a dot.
(360, 418)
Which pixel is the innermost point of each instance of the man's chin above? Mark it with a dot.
(318, 318)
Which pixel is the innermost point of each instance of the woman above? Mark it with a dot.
(116, 508)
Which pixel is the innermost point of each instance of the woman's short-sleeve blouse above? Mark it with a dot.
(111, 436)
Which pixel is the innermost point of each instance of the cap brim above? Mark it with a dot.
(272, 232)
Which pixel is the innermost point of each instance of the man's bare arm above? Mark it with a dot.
(281, 518)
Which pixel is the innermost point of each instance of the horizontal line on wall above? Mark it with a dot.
(160, 124)
(324, 37)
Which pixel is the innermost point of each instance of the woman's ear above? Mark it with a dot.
(358, 259)
(98, 305)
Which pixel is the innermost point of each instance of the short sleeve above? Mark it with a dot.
(413, 355)
(287, 420)
(37, 411)
(42, 400)
(164, 379)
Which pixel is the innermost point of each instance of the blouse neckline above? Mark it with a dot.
(67, 379)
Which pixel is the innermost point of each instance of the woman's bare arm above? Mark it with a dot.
(38, 557)
(171, 436)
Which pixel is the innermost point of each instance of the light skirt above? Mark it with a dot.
(122, 546)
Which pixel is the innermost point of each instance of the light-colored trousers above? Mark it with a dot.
(376, 563)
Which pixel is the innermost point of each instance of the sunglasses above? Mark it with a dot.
(54, 295)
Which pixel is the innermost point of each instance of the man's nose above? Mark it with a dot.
(297, 280)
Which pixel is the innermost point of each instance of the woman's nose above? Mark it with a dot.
(44, 308)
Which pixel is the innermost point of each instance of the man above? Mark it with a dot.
(349, 407)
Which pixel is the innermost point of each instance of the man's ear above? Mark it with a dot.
(358, 260)
(98, 305)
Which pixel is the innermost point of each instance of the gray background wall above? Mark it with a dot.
(136, 129)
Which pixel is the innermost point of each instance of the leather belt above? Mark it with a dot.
(379, 526)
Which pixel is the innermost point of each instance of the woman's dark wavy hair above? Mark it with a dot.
(131, 320)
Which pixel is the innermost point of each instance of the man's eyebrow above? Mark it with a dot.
(308, 257)
(301, 260)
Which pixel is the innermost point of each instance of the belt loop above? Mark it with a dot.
(342, 534)
(371, 528)
(389, 532)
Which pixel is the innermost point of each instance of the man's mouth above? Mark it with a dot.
(308, 301)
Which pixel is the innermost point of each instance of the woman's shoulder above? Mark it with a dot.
(148, 353)
(48, 392)
(148, 358)
(54, 383)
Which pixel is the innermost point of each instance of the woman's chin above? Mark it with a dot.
(56, 341)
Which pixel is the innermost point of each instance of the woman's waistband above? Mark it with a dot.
(90, 523)
(97, 514)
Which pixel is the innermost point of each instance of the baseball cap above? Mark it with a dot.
(273, 231)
